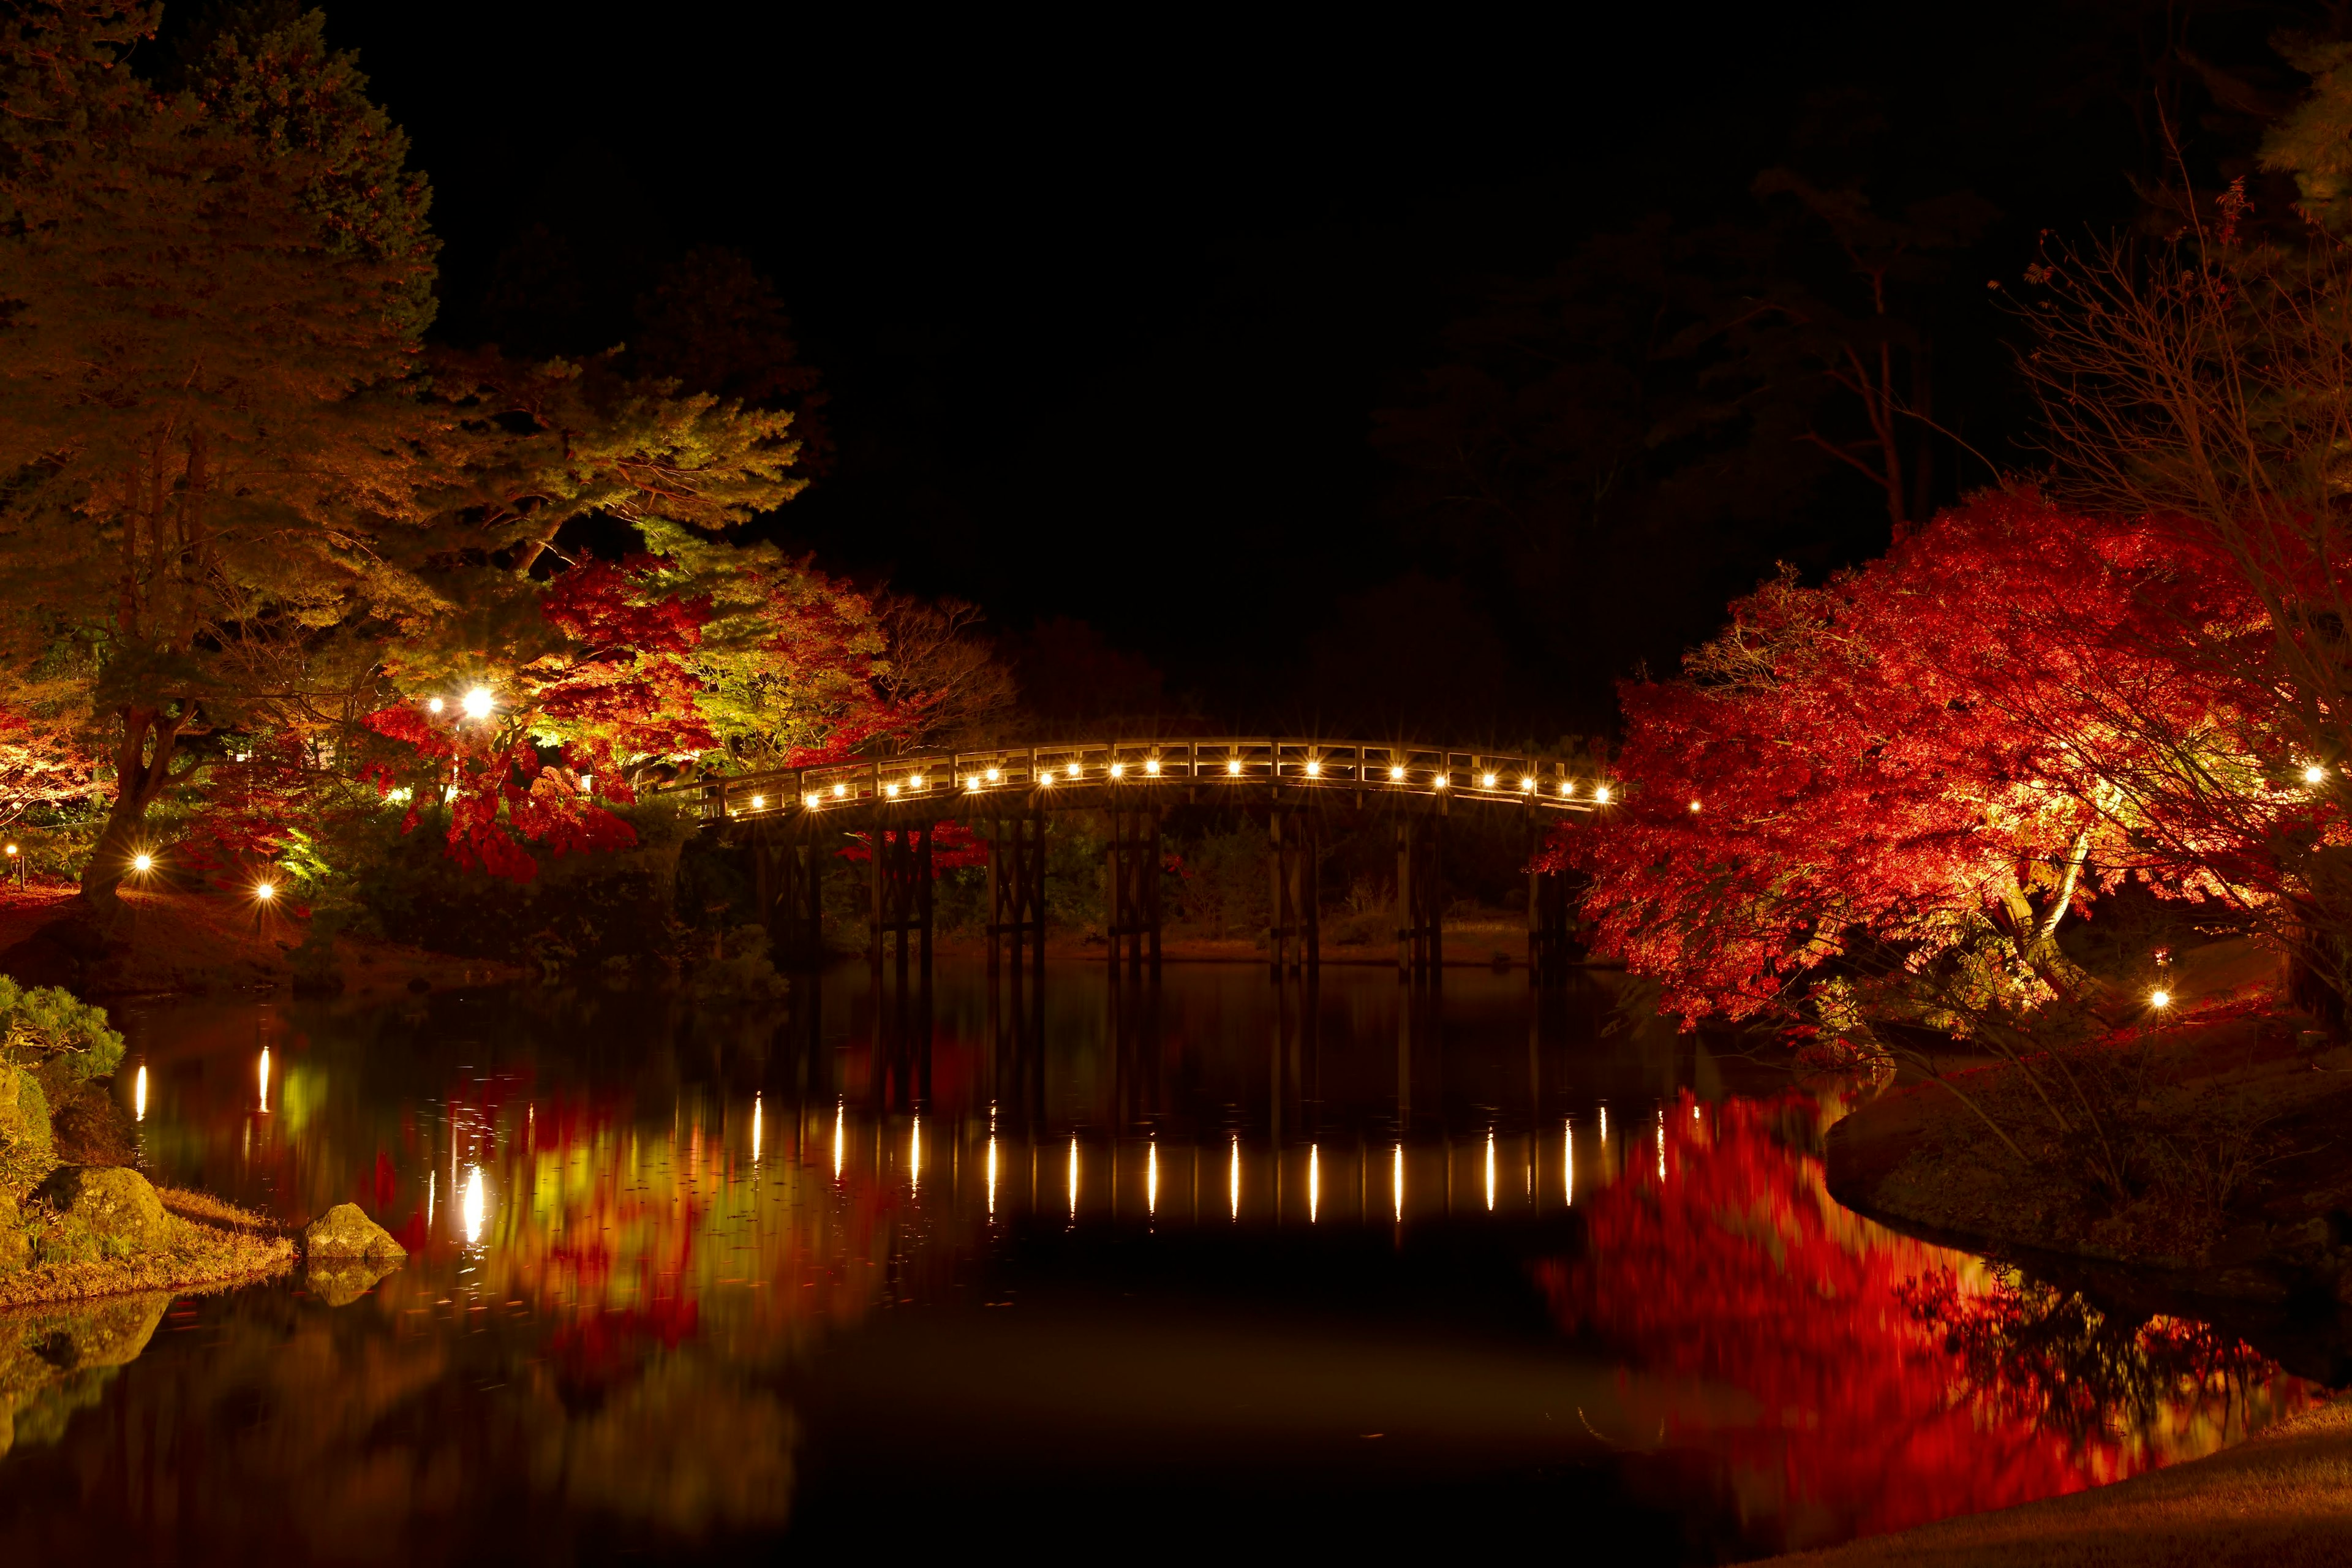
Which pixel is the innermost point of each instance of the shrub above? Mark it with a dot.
(49, 1031)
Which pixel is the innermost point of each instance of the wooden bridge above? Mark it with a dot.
(1005, 795)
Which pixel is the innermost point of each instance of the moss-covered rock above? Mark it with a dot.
(15, 1244)
(103, 1211)
(346, 1232)
(27, 1147)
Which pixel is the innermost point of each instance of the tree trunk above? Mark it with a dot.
(140, 773)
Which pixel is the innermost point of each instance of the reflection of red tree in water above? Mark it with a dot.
(1876, 1404)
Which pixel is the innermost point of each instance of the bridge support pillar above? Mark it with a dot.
(1132, 872)
(902, 868)
(1293, 940)
(1016, 889)
(788, 877)
(1421, 900)
(1549, 926)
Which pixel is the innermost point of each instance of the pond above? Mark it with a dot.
(1219, 1263)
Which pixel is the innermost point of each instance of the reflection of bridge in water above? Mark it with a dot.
(1006, 793)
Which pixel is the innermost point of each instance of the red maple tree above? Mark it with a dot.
(1881, 796)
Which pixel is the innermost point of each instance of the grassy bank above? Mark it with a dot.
(2283, 1500)
(212, 1243)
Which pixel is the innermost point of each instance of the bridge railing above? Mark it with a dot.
(1104, 772)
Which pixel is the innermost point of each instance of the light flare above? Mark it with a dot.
(138, 1097)
(475, 1207)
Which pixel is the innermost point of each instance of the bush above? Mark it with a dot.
(51, 1032)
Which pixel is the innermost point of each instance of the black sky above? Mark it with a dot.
(1105, 301)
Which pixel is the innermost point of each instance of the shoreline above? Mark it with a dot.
(2278, 1498)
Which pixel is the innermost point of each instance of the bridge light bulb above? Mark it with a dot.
(2313, 774)
(1313, 768)
(1151, 767)
(993, 775)
(1440, 782)
(1233, 766)
(478, 702)
(811, 801)
(758, 801)
(1046, 777)
(138, 862)
(915, 783)
(1528, 785)
(1486, 781)
(1119, 770)
(1600, 794)
(890, 790)
(1072, 770)
(840, 790)
(1396, 774)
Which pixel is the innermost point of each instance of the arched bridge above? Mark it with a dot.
(1005, 794)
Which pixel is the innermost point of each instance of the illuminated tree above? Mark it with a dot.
(212, 300)
(1872, 804)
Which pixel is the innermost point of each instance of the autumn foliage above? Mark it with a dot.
(1879, 799)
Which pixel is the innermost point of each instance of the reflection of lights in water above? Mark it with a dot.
(1151, 1179)
(915, 1158)
(139, 1096)
(1234, 1181)
(432, 1181)
(1604, 1128)
(1074, 1177)
(1398, 1181)
(1568, 1160)
(1313, 1181)
(755, 1129)
(839, 1143)
(264, 1079)
(1490, 1169)
(474, 1206)
(1661, 1143)
(992, 1176)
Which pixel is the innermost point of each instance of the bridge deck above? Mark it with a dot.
(1095, 773)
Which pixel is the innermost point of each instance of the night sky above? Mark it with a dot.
(1107, 309)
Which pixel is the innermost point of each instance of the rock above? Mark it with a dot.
(346, 1232)
(26, 1145)
(340, 1281)
(16, 1246)
(110, 1205)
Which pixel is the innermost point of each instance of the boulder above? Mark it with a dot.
(16, 1246)
(111, 1205)
(345, 1231)
(25, 1143)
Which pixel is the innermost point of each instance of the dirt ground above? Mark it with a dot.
(211, 942)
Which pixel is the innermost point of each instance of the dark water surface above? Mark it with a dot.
(1222, 1266)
